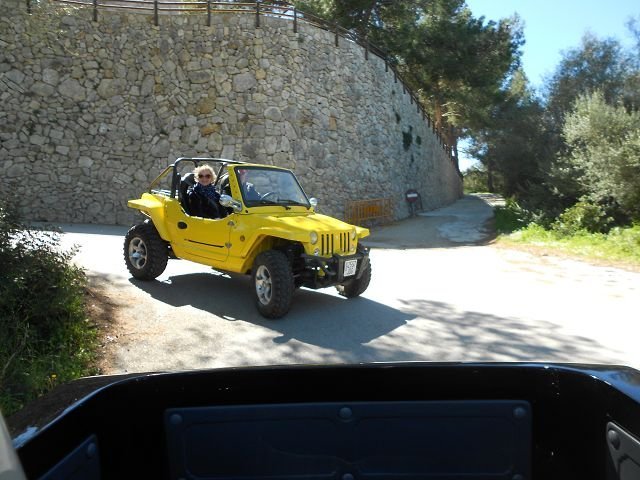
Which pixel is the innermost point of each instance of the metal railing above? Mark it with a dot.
(259, 9)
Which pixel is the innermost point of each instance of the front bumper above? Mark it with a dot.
(330, 271)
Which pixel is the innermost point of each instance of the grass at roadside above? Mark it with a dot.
(621, 246)
(68, 354)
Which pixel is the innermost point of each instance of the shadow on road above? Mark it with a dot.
(316, 317)
(362, 330)
(474, 336)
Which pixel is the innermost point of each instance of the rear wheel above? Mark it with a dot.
(357, 286)
(273, 283)
(145, 253)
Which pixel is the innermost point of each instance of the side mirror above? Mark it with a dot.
(229, 202)
(313, 202)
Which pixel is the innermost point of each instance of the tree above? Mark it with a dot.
(459, 64)
(631, 95)
(512, 143)
(364, 17)
(594, 65)
(604, 151)
(587, 155)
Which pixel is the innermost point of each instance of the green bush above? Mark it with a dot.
(46, 336)
(582, 217)
(511, 217)
(603, 151)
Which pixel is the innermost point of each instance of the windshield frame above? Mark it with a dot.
(301, 198)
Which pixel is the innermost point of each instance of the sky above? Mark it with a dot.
(554, 26)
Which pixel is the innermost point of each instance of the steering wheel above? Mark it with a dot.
(267, 195)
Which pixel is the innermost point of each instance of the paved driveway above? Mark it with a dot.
(440, 292)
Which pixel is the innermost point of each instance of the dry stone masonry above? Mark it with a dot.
(93, 111)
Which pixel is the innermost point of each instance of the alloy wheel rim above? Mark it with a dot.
(263, 285)
(138, 253)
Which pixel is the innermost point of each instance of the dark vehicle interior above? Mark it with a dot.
(370, 421)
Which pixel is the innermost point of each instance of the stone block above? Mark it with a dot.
(16, 76)
(199, 77)
(37, 140)
(228, 151)
(148, 85)
(42, 89)
(161, 148)
(244, 82)
(133, 129)
(50, 76)
(85, 162)
(273, 113)
(209, 129)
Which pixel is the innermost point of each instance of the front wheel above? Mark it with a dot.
(273, 283)
(357, 286)
(145, 253)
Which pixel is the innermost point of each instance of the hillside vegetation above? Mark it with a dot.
(47, 337)
(567, 236)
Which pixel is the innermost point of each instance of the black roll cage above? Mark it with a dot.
(196, 161)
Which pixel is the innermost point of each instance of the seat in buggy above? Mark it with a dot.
(187, 180)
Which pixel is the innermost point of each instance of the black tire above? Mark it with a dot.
(145, 253)
(273, 284)
(357, 286)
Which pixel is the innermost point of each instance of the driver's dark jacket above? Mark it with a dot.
(201, 206)
(250, 192)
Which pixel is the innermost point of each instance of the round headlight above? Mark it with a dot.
(353, 234)
(313, 238)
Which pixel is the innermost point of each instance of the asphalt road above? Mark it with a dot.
(440, 292)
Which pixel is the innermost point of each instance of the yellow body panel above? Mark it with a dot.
(258, 231)
(202, 240)
(152, 206)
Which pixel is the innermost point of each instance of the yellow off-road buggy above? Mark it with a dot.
(274, 233)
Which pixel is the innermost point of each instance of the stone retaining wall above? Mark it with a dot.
(92, 111)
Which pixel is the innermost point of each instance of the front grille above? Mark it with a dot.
(335, 243)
